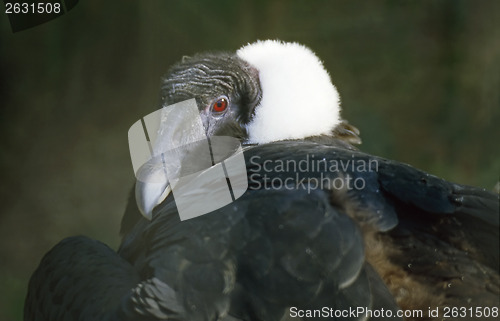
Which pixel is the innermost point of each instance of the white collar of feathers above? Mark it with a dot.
(298, 97)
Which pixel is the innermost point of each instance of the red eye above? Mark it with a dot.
(220, 105)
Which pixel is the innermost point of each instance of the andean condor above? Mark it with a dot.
(405, 241)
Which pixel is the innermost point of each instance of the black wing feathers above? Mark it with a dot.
(406, 239)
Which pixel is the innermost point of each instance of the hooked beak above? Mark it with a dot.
(179, 128)
(151, 188)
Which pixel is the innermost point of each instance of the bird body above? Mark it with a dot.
(323, 228)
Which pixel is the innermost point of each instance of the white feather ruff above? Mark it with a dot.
(298, 97)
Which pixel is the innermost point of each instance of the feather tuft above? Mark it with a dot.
(298, 97)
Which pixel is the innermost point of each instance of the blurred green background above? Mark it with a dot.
(420, 79)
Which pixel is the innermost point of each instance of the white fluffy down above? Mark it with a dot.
(298, 97)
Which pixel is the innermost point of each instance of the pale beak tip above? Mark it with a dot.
(151, 189)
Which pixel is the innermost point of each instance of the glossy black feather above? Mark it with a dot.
(294, 246)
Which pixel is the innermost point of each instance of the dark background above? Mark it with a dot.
(420, 79)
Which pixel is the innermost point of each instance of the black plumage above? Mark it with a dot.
(405, 240)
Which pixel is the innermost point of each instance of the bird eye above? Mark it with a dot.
(220, 105)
